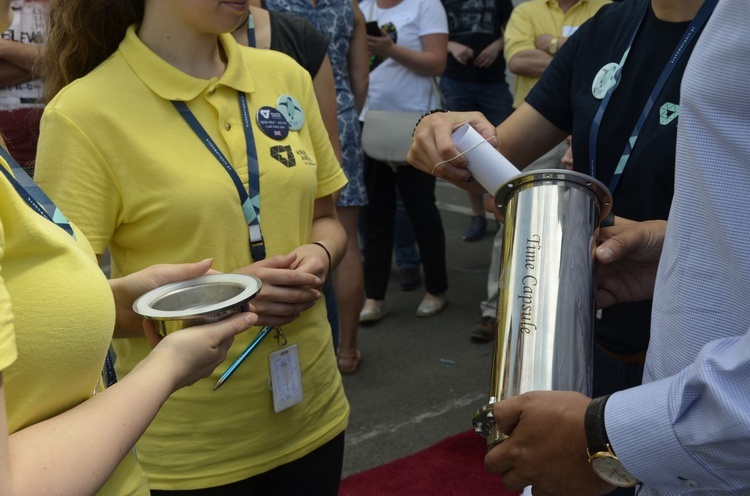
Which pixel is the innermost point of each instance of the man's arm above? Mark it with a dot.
(17, 62)
(690, 430)
(12, 74)
(488, 55)
(531, 63)
(22, 55)
(521, 52)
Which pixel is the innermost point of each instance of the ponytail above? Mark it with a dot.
(81, 35)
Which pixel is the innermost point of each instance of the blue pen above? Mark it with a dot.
(254, 344)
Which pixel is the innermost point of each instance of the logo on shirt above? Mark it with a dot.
(668, 112)
(284, 154)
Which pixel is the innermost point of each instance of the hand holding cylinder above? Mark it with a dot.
(433, 145)
(488, 166)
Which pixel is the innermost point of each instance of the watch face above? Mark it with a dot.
(611, 470)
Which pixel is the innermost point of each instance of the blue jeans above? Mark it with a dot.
(492, 99)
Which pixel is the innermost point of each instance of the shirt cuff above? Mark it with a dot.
(640, 427)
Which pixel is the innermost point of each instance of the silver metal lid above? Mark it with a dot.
(602, 195)
(205, 295)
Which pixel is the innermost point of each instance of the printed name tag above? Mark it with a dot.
(286, 378)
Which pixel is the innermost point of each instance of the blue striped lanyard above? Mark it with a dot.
(33, 194)
(690, 33)
(250, 201)
(250, 30)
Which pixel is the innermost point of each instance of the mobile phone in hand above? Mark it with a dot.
(373, 29)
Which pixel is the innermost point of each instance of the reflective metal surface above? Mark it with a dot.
(546, 305)
(203, 300)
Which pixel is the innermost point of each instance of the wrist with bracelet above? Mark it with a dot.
(429, 112)
(328, 254)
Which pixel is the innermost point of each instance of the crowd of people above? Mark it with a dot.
(148, 132)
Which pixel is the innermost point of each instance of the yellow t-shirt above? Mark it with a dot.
(57, 312)
(137, 178)
(537, 17)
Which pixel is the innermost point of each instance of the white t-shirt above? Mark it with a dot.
(28, 27)
(393, 86)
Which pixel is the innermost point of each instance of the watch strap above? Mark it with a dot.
(596, 431)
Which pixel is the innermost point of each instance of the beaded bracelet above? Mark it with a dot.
(328, 254)
(429, 112)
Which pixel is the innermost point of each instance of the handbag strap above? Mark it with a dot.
(436, 90)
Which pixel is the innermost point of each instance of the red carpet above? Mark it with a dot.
(452, 467)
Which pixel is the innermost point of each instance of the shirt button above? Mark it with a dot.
(690, 483)
(227, 126)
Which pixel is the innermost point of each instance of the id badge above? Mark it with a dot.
(286, 378)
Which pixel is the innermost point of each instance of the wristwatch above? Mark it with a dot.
(601, 457)
(552, 48)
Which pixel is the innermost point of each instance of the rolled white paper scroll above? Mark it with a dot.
(488, 166)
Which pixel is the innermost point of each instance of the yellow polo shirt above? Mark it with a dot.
(536, 17)
(123, 164)
(56, 320)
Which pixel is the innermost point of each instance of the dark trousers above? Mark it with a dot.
(317, 473)
(418, 195)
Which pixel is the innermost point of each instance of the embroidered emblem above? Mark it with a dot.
(284, 154)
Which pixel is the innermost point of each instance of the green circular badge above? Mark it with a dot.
(605, 79)
(291, 109)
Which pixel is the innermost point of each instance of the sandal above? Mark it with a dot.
(348, 364)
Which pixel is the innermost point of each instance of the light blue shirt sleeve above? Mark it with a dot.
(686, 431)
(691, 431)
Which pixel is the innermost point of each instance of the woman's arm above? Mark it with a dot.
(326, 230)
(521, 138)
(359, 69)
(74, 453)
(325, 94)
(430, 61)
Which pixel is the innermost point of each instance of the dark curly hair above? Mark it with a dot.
(81, 35)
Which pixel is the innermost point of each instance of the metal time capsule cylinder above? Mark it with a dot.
(546, 299)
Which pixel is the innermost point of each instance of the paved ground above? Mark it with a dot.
(421, 379)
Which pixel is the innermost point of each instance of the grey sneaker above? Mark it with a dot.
(484, 331)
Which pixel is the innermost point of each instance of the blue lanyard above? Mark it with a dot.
(250, 30)
(33, 194)
(691, 32)
(250, 202)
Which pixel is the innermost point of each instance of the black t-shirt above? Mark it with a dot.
(476, 24)
(298, 38)
(564, 96)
